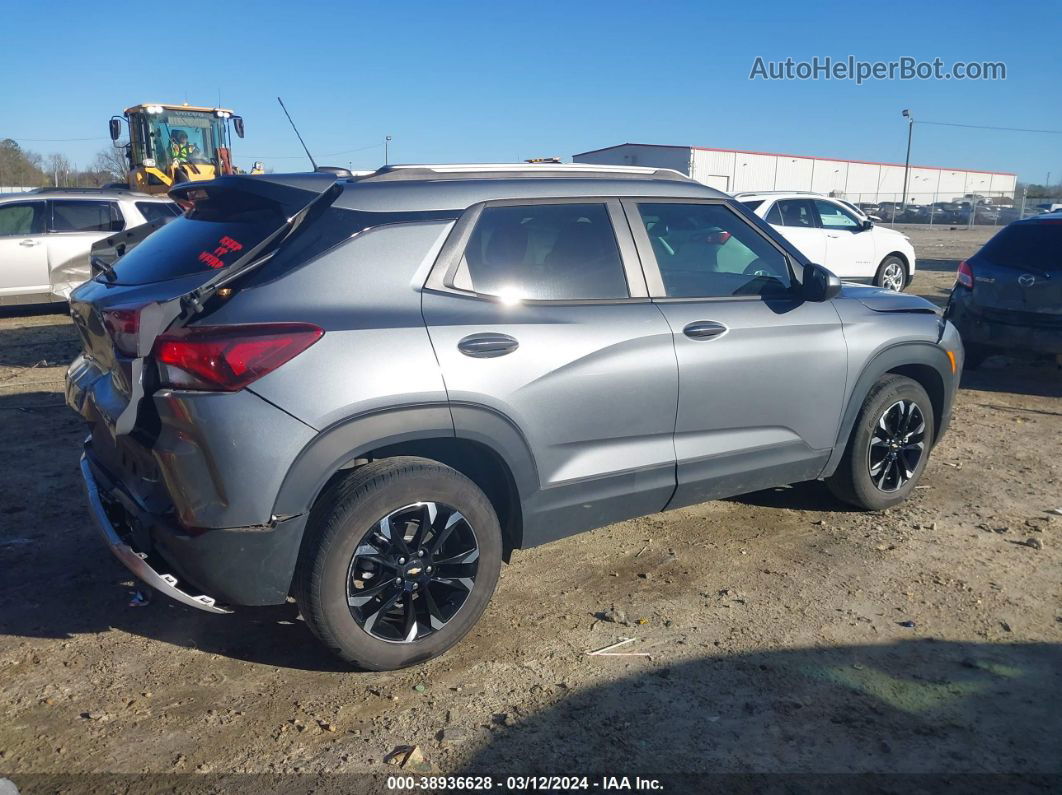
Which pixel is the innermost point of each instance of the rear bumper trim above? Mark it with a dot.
(130, 558)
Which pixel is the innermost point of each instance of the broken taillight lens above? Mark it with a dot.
(123, 325)
(228, 358)
(964, 275)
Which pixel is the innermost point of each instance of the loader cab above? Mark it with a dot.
(171, 144)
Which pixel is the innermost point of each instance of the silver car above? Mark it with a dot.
(366, 392)
(46, 236)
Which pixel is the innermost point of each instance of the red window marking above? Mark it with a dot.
(226, 245)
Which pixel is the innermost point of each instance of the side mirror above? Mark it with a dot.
(237, 125)
(820, 284)
(115, 129)
(867, 224)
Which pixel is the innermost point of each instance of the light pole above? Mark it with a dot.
(387, 147)
(907, 163)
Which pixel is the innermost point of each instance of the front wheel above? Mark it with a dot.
(399, 562)
(889, 446)
(892, 274)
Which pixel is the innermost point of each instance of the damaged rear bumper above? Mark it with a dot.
(245, 566)
(135, 561)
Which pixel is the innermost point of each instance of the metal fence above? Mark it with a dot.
(980, 209)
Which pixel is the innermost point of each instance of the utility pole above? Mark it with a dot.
(907, 163)
(387, 146)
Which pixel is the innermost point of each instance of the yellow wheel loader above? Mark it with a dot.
(171, 144)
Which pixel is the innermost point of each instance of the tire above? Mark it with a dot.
(892, 274)
(340, 523)
(893, 481)
(975, 356)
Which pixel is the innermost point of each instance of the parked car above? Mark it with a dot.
(366, 392)
(982, 213)
(870, 210)
(891, 212)
(830, 233)
(1008, 296)
(944, 212)
(915, 214)
(46, 235)
(858, 211)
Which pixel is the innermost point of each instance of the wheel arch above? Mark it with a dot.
(502, 465)
(900, 256)
(923, 362)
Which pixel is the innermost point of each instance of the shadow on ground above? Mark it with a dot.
(1026, 374)
(46, 343)
(913, 707)
(810, 496)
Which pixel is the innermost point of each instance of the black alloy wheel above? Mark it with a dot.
(412, 572)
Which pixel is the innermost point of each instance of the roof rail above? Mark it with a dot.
(518, 171)
(83, 190)
(774, 192)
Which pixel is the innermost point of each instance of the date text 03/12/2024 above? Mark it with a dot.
(523, 783)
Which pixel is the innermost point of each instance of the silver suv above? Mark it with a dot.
(365, 392)
(46, 236)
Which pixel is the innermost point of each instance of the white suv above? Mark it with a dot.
(829, 232)
(46, 236)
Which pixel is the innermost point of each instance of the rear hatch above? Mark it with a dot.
(1017, 276)
(231, 226)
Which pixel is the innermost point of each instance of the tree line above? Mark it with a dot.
(24, 168)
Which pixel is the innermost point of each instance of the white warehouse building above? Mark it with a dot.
(736, 171)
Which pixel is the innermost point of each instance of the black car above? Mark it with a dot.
(1008, 296)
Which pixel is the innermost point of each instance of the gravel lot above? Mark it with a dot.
(783, 632)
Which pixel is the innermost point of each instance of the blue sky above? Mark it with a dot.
(470, 81)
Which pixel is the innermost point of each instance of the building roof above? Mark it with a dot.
(798, 157)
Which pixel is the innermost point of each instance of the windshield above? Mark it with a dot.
(182, 136)
(1027, 245)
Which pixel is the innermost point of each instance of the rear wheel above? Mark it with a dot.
(889, 446)
(400, 560)
(892, 274)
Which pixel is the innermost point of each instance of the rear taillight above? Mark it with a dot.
(123, 324)
(964, 275)
(228, 358)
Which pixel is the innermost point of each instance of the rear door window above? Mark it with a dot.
(85, 216)
(21, 218)
(797, 212)
(545, 252)
(158, 211)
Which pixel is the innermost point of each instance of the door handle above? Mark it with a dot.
(29, 243)
(487, 346)
(704, 330)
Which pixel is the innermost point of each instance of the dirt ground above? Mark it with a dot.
(781, 632)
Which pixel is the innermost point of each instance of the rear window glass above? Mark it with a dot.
(752, 204)
(211, 237)
(1032, 245)
(158, 211)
